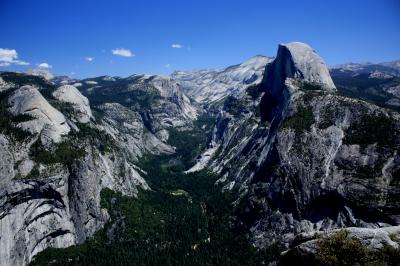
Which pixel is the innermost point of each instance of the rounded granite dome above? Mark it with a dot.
(299, 61)
(70, 94)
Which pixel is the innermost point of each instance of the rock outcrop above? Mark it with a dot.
(34, 215)
(177, 100)
(41, 73)
(372, 238)
(80, 104)
(307, 246)
(60, 205)
(128, 129)
(7, 161)
(46, 120)
(3, 85)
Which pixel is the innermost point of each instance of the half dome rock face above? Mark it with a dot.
(80, 104)
(46, 120)
(297, 60)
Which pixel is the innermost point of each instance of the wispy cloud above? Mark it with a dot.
(10, 56)
(122, 52)
(44, 65)
(167, 65)
(177, 46)
(21, 63)
(89, 59)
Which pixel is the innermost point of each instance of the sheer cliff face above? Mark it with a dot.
(304, 158)
(56, 157)
(296, 61)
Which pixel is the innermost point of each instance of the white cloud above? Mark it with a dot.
(90, 59)
(177, 46)
(167, 65)
(122, 52)
(21, 63)
(44, 65)
(10, 56)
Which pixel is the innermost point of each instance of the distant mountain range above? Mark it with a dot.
(387, 69)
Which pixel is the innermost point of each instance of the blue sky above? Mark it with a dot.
(208, 34)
